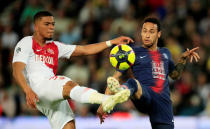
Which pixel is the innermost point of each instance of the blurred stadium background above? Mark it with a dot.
(186, 24)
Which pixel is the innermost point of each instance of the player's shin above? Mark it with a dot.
(87, 95)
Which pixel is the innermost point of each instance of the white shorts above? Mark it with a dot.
(51, 102)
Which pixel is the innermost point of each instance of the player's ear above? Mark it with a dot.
(35, 27)
(141, 32)
(159, 34)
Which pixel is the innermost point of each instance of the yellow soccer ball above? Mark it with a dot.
(122, 57)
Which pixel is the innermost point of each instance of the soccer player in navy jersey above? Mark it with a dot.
(148, 82)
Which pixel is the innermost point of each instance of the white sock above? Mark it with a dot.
(87, 95)
(97, 98)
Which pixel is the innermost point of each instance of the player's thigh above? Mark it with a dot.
(143, 104)
(52, 89)
(145, 96)
(70, 125)
(162, 126)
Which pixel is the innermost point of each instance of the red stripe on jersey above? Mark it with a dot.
(159, 83)
(48, 54)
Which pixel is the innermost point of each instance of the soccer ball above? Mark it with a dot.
(122, 57)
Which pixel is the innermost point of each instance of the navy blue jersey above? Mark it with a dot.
(151, 69)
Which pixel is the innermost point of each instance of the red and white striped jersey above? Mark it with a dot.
(41, 61)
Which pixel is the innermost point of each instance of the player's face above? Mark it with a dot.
(150, 34)
(45, 27)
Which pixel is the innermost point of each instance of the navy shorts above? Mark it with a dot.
(157, 106)
(162, 126)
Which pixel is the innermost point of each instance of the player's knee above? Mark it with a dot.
(69, 125)
(67, 89)
(131, 81)
(131, 84)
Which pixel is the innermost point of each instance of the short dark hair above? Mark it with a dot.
(153, 20)
(41, 14)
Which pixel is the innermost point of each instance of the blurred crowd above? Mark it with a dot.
(185, 24)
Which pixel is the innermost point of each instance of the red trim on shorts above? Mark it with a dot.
(86, 89)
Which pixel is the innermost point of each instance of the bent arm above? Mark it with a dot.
(179, 67)
(18, 68)
(176, 73)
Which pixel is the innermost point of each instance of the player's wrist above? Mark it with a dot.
(27, 89)
(183, 60)
(108, 43)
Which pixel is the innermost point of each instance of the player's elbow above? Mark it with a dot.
(82, 51)
(87, 50)
(14, 73)
(177, 77)
(174, 76)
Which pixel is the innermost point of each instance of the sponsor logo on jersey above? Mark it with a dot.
(158, 70)
(44, 59)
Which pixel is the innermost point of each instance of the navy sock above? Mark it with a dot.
(131, 84)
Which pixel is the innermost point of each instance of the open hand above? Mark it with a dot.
(191, 54)
(31, 98)
(121, 40)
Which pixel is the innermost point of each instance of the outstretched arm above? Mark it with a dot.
(98, 47)
(191, 54)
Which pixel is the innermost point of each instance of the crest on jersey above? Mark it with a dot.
(49, 50)
(165, 55)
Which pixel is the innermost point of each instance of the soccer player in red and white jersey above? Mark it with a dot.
(35, 64)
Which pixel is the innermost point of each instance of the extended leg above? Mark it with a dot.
(87, 95)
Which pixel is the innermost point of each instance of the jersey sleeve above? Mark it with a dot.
(65, 51)
(22, 51)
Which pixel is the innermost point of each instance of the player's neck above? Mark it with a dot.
(40, 40)
(151, 48)
(154, 48)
